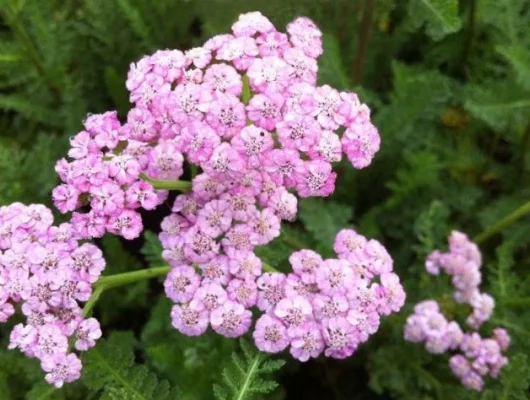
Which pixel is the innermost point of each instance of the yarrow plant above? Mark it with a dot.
(45, 270)
(476, 356)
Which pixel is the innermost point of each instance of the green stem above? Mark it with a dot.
(268, 267)
(521, 302)
(182, 186)
(503, 223)
(110, 281)
(472, 19)
(246, 94)
(362, 43)
(125, 278)
(524, 145)
(89, 305)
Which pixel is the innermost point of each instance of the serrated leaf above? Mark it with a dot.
(243, 377)
(29, 109)
(439, 16)
(519, 57)
(324, 219)
(109, 368)
(152, 249)
(514, 381)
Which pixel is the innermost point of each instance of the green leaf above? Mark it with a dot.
(514, 381)
(324, 219)
(242, 377)
(29, 109)
(331, 68)
(439, 16)
(502, 104)
(152, 250)
(109, 369)
(138, 24)
(519, 57)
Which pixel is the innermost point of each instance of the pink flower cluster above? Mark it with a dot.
(328, 306)
(244, 108)
(462, 262)
(45, 270)
(104, 174)
(477, 357)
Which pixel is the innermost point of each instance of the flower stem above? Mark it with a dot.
(520, 302)
(268, 267)
(182, 186)
(246, 94)
(89, 305)
(130, 277)
(110, 281)
(503, 223)
(362, 44)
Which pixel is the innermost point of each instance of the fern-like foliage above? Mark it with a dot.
(152, 250)
(324, 222)
(243, 378)
(110, 370)
(440, 16)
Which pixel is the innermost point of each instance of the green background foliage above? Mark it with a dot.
(449, 86)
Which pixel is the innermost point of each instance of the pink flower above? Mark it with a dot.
(361, 143)
(190, 319)
(215, 218)
(61, 368)
(181, 283)
(307, 341)
(65, 198)
(199, 56)
(166, 161)
(87, 333)
(211, 295)
(226, 115)
(272, 44)
(266, 226)
(141, 194)
(265, 111)
(301, 67)
(245, 265)
(315, 179)
(339, 337)
(271, 290)
(216, 270)
(222, 78)
(334, 276)
(268, 74)
(298, 132)
(108, 199)
(251, 23)
(231, 319)
(252, 144)
(244, 292)
(293, 312)
(127, 224)
(270, 335)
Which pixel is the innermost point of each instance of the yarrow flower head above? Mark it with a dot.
(325, 306)
(473, 356)
(244, 108)
(49, 274)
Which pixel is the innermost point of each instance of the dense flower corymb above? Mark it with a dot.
(45, 270)
(476, 357)
(244, 108)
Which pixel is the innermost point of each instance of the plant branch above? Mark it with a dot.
(503, 223)
(182, 186)
(362, 44)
